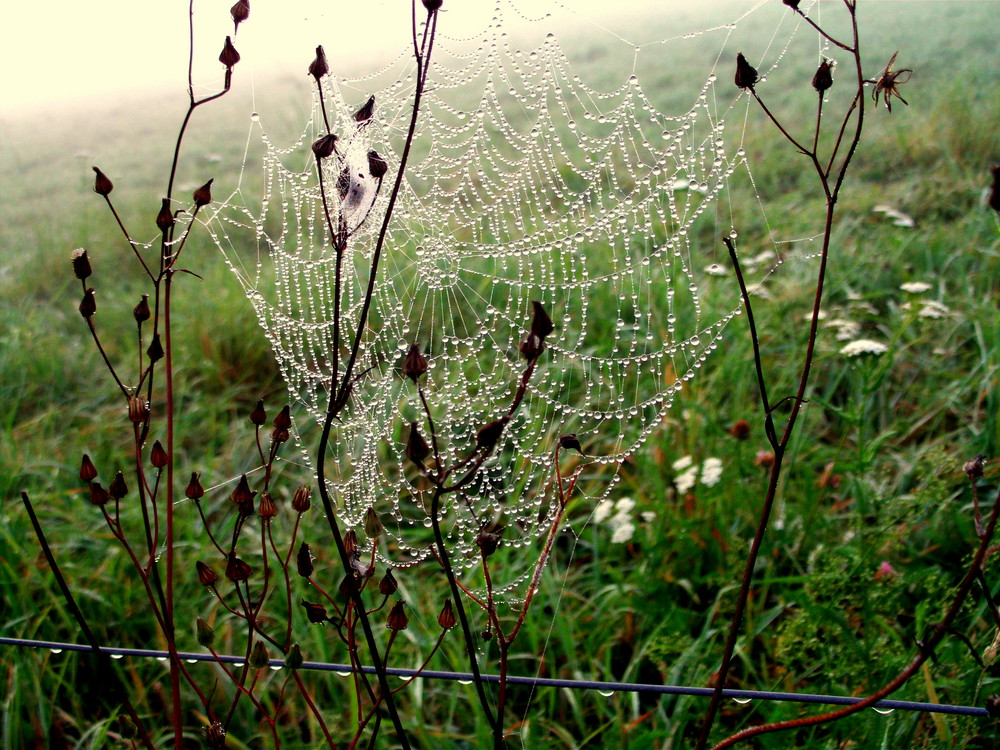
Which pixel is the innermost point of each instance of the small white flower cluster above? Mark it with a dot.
(708, 473)
(863, 346)
(618, 515)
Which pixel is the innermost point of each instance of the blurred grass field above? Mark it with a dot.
(873, 524)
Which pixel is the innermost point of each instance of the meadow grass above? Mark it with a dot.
(825, 616)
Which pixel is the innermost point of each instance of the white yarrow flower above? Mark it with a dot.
(623, 533)
(711, 471)
(682, 463)
(915, 287)
(863, 346)
(685, 481)
(932, 309)
(603, 510)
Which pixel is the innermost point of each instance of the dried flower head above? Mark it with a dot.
(315, 612)
(81, 264)
(203, 195)
(373, 526)
(823, 79)
(158, 455)
(364, 114)
(488, 541)
(414, 364)
(433, 5)
(388, 584)
(88, 472)
(325, 146)
(141, 311)
(98, 495)
(376, 165)
(206, 576)
(155, 349)
(304, 561)
(447, 617)
(237, 570)
(267, 509)
(194, 490)
(102, 185)
(302, 499)
(417, 449)
(570, 442)
(138, 409)
(229, 56)
(242, 497)
(215, 735)
(974, 466)
(258, 416)
(490, 433)
(740, 430)
(165, 218)
(888, 83)
(240, 12)
(118, 489)
(88, 305)
(541, 323)
(397, 619)
(319, 67)
(746, 74)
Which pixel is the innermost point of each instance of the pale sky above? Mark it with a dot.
(58, 53)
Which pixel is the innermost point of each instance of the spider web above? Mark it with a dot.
(525, 183)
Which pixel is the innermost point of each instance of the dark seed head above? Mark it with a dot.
(229, 56)
(414, 364)
(740, 429)
(490, 433)
(488, 542)
(240, 12)
(823, 79)
(541, 323)
(447, 617)
(388, 584)
(974, 466)
(417, 449)
(206, 576)
(302, 499)
(88, 305)
(397, 619)
(194, 490)
(259, 658)
(258, 416)
(433, 5)
(102, 185)
(267, 509)
(746, 74)
(364, 114)
(81, 264)
(98, 495)
(88, 472)
(237, 570)
(141, 311)
(570, 442)
(325, 146)
(118, 489)
(203, 195)
(158, 456)
(293, 659)
(304, 560)
(373, 526)
(376, 165)
(155, 349)
(315, 612)
(165, 219)
(319, 67)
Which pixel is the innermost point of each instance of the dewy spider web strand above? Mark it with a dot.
(742, 696)
(526, 183)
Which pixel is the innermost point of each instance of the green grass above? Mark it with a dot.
(896, 430)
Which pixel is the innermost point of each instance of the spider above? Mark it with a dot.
(888, 82)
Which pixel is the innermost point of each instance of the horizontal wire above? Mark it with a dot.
(538, 682)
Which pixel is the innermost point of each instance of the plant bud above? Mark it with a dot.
(258, 416)
(823, 79)
(570, 442)
(365, 113)
(155, 349)
(376, 165)
(81, 263)
(259, 658)
(973, 467)
(240, 12)
(388, 584)
(118, 489)
(488, 542)
(301, 500)
(373, 526)
(203, 195)
(206, 634)
(416, 447)
(293, 659)
(102, 185)
(229, 56)
(194, 490)
(267, 509)
(88, 472)
(206, 576)
(141, 311)
(740, 430)
(158, 456)
(215, 735)
(531, 347)
(414, 364)
(325, 146)
(243, 496)
(304, 560)
(165, 219)
(489, 434)
(236, 569)
(433, 5)
(98, 495)
(284, 420)
(447, 617)
(88, 305)
(397, 619)
(315, 612)
(746, 74)
(541, 323)
(350, 542)
(319, 68)
(138, 409)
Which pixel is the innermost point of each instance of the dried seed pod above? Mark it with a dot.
(417, 449)
(541, 323)
(259, 657)
(823, 79)
(118, 489)
(319, 67)
(138, 409)
(570, 442)
(488, 542)
(141, 311)
(243, 496)
(266, 508)
(206, 576)
(302, 499)
(102, 185)
(447, 617)
(746, 74)
(88, 305)
(81, 264)
(194, 490)
(203, 195)
(237, 570)
(376, 165)
(155, 349)
(229, 56)
(206, 634)
(258, 416)
(282, 423)
(397, 619)
(158, 456)
(414, 364)
(164, 219)
(373, 526)
(350, 542)
(304, 561)
(315, 612)
(215, 735)
(88, 472)
(490, 433)
(388, 584)
(293, 659)
(240, 12)
(364, 114)
(98, 495)
(973, 467)
(325, 146)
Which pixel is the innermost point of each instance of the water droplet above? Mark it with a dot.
(606, 693)
(883, 711)
(742, 701)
